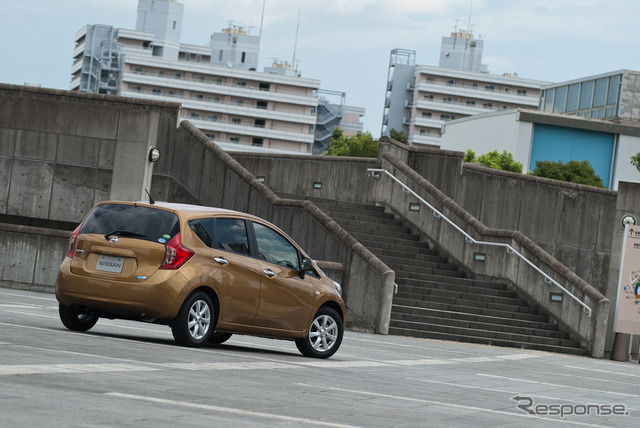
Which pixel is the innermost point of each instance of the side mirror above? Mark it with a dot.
(305, 267)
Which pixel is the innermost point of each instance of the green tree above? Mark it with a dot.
(635, 161)
(360, 145)
(495, 160)
(572, 171)
(399, 136)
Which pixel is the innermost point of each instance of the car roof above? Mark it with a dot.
(188, 210)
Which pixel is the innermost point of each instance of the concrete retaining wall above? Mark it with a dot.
(59, 149)
(290, 174)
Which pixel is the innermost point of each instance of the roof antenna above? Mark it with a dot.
(151, 201)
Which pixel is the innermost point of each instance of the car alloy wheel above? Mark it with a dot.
(193, 325)
(325, 335)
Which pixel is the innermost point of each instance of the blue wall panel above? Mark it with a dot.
(555, 143)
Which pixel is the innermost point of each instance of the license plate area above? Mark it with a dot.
(110, 264)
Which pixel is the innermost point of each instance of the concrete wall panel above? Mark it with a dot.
(79, 150)
(7, 141)
(36, 145)
(30, 189)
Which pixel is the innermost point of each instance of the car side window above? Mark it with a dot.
(203, 227)
(231, 235)
(275, 248)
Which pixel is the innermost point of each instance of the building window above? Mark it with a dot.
(214, 98)
(211, 136)
(425, 132)
(522, 92)
(220, 55)
(198, 97)
(428, 97)
(174, 93)
(259, 123)
(158, 73)
(490, 88)
(212, 118)
(195, 116)
(506, 90)
(156, 91)
(236, 121)
(241, 84)
(174, 25)
(257, 142)
(449, 100)
(239, 102)
(452, 82)
(135, 88)
(471, 103)
(431, 80)
(426, 114)
(244, 55)
(234, 139)
(138, 70)
(487, 105)
(472, 85)
(446, 117)
(176, 75)
(264, 86)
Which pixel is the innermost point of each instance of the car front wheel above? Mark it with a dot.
(324, 336)
(76, 318)
(193, 325)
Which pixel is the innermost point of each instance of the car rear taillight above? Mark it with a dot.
(72, 240)
(176, 254)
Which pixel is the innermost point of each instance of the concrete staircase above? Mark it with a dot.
(436, 299)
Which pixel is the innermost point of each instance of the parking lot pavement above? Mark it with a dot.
(132, 374)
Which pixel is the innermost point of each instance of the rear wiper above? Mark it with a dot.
(124, 233)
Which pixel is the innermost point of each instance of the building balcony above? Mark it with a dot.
(424, 139)
(479, 94)
(456, 108)
(219, 89)
(251, 131)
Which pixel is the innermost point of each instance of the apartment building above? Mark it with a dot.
(421, 98)
(219, 87)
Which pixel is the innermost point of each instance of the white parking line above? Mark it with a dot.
(443, 404)
(239, 412)
(556, 385)
(26, 369)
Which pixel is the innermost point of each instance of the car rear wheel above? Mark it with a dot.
(193, 325)
(325, 335)
(76, 318)
(218, 338)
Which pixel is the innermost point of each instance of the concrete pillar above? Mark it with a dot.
(132, 170)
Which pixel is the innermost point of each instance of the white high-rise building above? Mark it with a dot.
(220, 90)
(421, 98)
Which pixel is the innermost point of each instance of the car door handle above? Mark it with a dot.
(269, 273)
(221, 261)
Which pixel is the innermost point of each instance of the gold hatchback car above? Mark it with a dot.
(206, 272)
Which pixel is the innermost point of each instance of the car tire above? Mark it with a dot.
(76, 318)
(218, 338)
(195, 321)
(324, 336)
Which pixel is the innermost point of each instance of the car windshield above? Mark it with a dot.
(132, 221)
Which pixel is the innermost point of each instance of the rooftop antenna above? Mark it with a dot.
(296, 41)
(470, 8)
(262, 18)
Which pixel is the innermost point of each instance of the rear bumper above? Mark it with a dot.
(158, 296)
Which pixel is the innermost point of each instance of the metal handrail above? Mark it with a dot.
(375, 173)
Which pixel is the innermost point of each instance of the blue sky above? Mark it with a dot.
(346, 43)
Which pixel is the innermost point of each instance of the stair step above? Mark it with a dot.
(471, 307)
(524, 344)
(461, 320)
(416, 286)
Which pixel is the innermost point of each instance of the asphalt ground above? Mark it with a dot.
(124, 373)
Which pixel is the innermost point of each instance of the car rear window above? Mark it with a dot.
(146, 223)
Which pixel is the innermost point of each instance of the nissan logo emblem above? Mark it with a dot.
(113, 239)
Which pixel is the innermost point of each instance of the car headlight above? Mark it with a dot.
(338, 287)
